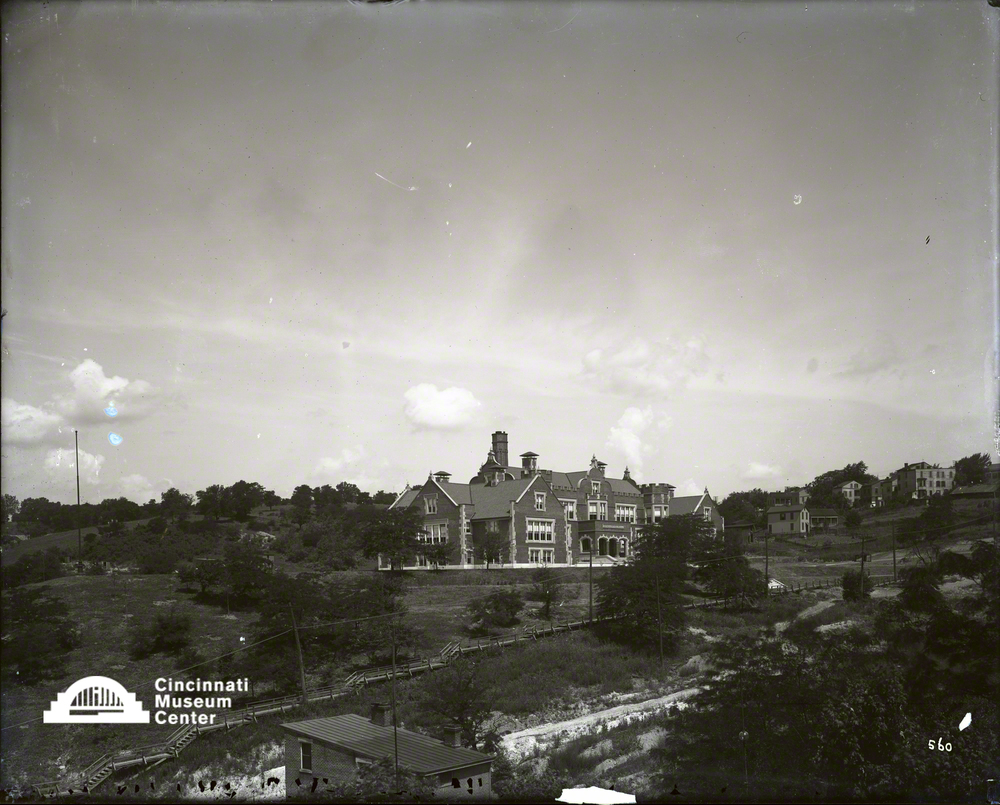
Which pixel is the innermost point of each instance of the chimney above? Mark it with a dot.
(380, 715)
(529, 464)
(452, 736)
(441, 476)
(500, 447)
(601, 467)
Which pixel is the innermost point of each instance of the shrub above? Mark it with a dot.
(170, 632)
(498, 609)
(851, 584)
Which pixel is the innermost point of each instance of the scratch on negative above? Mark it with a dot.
(566, 23)
(380, 176)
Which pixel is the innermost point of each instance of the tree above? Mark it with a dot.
(241, 498)
(647, 590)
(441, 553)
(37, 637)
(328, 500)
(210, 501)
(247, 569)
(490, 546)
(175, 505)
(745, 506)
(852, 519)
(547, 590)
(349, 492)
(271, 499)
(302, 499)
(851, 585)
(392, 534)
(386, 498)
(461, 695)
(972, 469)
(498, 609)
(11, 506)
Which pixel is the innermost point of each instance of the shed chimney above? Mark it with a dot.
(500, 447)
(452, 736)
(380, 715)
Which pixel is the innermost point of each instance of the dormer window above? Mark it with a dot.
(539, 501)
(595, 487)
(708, 512)
(430, 504)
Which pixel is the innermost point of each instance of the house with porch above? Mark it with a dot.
(825, 519)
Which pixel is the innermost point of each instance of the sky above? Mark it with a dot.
(726, 245)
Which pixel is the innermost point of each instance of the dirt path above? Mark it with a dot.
(805, 613)
(522, 744)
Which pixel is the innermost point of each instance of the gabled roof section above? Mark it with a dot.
(457, 493)
(493, 502)
(405, 498)
(531, 482)
(421, 753)
(688, 504)
(824, 513)
(622, 487)
(779, 509)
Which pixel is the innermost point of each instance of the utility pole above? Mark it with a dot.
(893, 524)
(862, 567)
(767, 574)
(298, 647)
(395, 738)
(659, 622)
(79, 533)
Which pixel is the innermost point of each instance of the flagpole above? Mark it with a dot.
(79, 537)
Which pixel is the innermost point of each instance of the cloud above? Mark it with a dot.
(329, 465)
(761, 472)
(26, 425)
(873, 358)
(627, 436)
(688, 488)
(643, 368)
(62, 461)
(93, 391)
(427, 407)
(137, 488)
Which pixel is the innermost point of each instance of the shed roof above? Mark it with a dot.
(975, 489)
(423, 754)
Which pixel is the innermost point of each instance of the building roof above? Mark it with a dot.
(421, 753)
(621, 486)
(741, 524)
(688, 504)
(778, 509)
(459, 493)
(976, 489)
(492, 502)
(824, 513)
(406, 497)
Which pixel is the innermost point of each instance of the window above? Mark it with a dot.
(624, 513)
(541, 556)
(708, 512)
(540, 530)
(434, 534)
(570, 508)
(431, 505)
(595, 487)
(782, 515)
(539, 501)
(306, 751)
